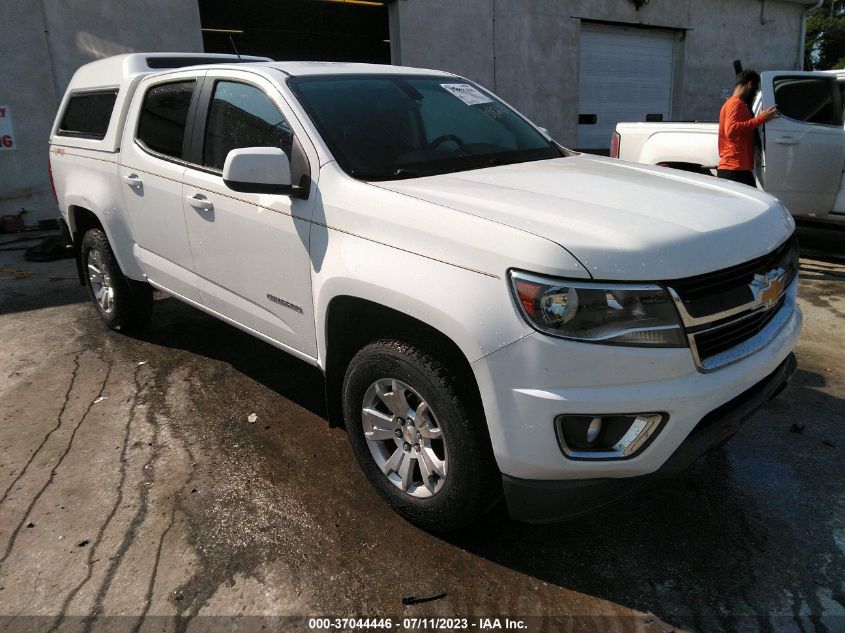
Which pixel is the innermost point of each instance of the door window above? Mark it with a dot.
(161, 127)
(809, 99)
(241, 115)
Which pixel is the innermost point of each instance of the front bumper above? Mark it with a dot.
(528, 383)
(543, 501)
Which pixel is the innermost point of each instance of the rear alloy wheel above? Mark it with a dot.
(101, 282)
(122, 303)
(416, 437)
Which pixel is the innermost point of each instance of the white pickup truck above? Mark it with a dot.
(801, 153)
(493, 314)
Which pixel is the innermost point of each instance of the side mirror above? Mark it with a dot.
(258, 170)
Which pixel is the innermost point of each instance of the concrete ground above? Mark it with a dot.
(132, 483)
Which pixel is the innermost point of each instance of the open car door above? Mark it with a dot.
(804, 147)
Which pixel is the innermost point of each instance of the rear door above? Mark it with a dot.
(804, 147)
(152, 164)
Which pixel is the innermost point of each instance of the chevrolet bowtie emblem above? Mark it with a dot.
(768, 288)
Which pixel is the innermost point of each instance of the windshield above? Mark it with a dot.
(385, 127)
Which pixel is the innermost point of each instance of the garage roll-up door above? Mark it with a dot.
(626, 74)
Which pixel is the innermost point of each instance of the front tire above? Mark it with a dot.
(122, 303)
(416, 438)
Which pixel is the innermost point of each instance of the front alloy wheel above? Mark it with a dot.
(404, 438)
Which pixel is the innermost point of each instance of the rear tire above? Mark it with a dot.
(424, 451)
(122, 303)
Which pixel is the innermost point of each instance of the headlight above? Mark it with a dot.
(614, 314)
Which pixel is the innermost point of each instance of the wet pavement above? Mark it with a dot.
(132, 483)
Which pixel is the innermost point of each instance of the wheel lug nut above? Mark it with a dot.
(406, 447)
(397, 433)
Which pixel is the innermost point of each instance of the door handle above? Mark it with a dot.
(133, 180)
(787, 140)
(200, 202)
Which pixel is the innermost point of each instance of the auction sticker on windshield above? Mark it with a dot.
(467, 93)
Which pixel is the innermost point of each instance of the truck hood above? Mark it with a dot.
(623, 221)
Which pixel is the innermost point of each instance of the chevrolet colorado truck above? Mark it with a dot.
(494, 315)
(800, 153)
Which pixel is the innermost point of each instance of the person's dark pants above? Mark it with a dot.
(743, 176)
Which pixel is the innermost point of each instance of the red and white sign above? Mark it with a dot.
(7, 134)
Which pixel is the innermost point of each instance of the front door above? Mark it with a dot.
(804, 147)
(151, 170)
(250, 250)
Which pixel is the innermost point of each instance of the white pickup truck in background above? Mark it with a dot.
(801, 154)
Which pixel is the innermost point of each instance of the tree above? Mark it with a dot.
(825, 43)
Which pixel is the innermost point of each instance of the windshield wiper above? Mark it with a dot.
(494, 162)
(403, 172)
(464, 163)
(392, 174)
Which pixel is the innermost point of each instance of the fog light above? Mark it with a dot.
(593, 430)
(606, 436)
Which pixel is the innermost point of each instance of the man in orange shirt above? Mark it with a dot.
(736, 130)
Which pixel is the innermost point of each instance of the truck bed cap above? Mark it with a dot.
(112, 71)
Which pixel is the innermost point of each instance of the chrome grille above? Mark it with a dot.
(730, 309)
(721, 338)
(711, 293)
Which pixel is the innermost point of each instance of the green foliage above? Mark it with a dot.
(826, 35)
